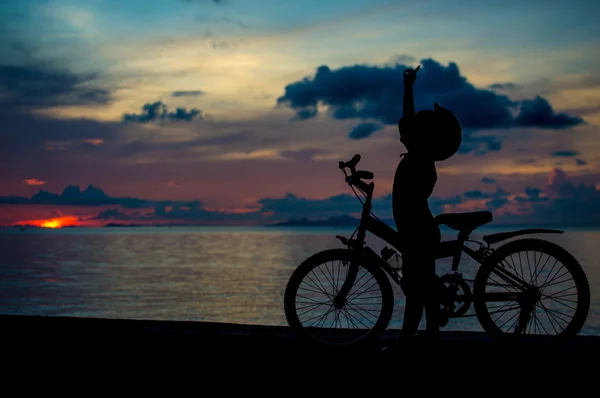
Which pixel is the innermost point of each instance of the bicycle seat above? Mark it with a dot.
(464, 221)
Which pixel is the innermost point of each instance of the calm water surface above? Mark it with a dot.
(235, 275)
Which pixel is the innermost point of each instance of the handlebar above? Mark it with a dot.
(351, 163)
(356, 175)
(364, 174)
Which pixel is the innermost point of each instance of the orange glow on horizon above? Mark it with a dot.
(66, 221)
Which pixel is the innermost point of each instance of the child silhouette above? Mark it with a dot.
(428, 136)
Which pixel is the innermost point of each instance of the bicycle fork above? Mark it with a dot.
(527, 298)
(366, 254)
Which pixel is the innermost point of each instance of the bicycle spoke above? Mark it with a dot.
(312, 308)
(350, 318)
(314, 291)
(520, 264)
(542, 325)
(528, 265)
(560, 302)
(318, 316)
(552, 317)
(563, 281)
(327, 275)
(359, 318)
(509, 319)
(550, 273)
(318, 283)
(543, 266)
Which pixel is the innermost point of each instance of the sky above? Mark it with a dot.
(237, 112)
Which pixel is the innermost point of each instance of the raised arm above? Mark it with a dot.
(409, 106)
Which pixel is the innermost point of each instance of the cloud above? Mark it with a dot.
(564, 153)
(567, 203)
(375, 92)
(186, 214)
(580, 162)
(73, 195)
(158, 112)
(476, 194)
(503, 86)
(532, 195)
(112, 214)
(94, 141)
(538, 113)
(293, 206)
(364, 130)
(34, 181)
(188, 93)
(559, 202)
(488, 180)
(41, 86)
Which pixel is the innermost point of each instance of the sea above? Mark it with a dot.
(214, 274)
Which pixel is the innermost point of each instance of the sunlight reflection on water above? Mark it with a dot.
(235, 275)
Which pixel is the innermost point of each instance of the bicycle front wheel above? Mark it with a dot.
(553, 306)
(310, 292)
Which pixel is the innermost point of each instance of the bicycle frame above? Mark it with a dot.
(452, 248)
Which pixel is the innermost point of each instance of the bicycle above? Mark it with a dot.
(526, 291)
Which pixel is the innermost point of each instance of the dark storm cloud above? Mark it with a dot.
(488, 180)
(158, 112)
(375, 92)
(40, 86)
(73, 195)
(364, 130)
(188, 93)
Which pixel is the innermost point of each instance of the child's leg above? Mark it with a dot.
(432, 298)
(413, 308)
(431, 283)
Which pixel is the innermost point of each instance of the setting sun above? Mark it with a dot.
(66, 221)
(51, 224)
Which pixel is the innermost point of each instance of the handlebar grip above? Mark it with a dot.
(354, 161)
(365, 175)
(351, 163)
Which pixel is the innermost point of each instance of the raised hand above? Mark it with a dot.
(410, 75)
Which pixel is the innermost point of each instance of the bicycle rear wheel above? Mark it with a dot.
(309, 294)
(559, 293)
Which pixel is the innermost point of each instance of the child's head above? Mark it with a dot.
(436, 133)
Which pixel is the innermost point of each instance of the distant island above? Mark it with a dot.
(336, 221)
